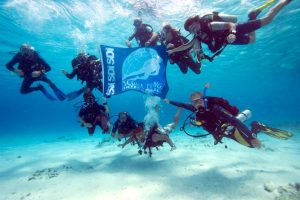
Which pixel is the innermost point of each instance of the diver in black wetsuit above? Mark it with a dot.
(216, 115)
(93, 114)
(123, 125)
(88, 69)
(144, 34)
(217, 31)
(33, 68)
(172, 38)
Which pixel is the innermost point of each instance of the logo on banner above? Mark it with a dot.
(111, 75)
(139, 67)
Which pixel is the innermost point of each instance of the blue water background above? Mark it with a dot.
(263, 77)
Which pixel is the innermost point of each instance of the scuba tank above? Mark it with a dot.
(217, 17)
(243, 116)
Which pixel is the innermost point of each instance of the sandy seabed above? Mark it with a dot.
(86, 170)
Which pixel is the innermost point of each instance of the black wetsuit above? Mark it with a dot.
(35, 63)
(89, 71)
(182, 59)
(95, 115)
(142, 35)
(218, 112)
(124, 127)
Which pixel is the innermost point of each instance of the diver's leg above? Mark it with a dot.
(25, 87)
(59, 94)
(254, 13)
(273, 12)
(194, 66)
(162, 137)
(248, 28)
(182, 66)
(91, 130)
(241, 134)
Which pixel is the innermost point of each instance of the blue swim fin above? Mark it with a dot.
(75, 94)
(59, 94)
(46, 93)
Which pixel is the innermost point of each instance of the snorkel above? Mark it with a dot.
(204, 96)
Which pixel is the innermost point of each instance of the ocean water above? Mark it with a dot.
(263, 77)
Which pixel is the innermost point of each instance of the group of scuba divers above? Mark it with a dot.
(213, 114)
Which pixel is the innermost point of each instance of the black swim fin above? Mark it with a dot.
(59, 94)
(46, 93)
(75, 94)
(274, 132)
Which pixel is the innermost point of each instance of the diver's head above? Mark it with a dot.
(123, 116)
(196, 99)
(137, 22)
(92, 59)
(27, 50)
(192, 24)
(89, 98)
(167, 28)
(82, 57)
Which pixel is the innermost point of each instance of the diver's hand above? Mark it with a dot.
(147, 44)
(19, 72)
(88, 125)
(64, 71)
(173, 148)
(128, 44)
(36, 74)
(167, 101)
(104, 100)
(231, 38)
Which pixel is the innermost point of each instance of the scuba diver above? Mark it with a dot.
(217, 30)
(88, 69)
(33, 68)
(144, 34)
(172, 38)
(221, 119)
(93, 114)
(123, 125)
(155, 136)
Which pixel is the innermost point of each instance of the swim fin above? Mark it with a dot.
(274, 132)
(59, 94)
(46, 93)
(254, 13)
(75, 94)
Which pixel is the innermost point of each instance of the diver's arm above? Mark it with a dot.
(127, 42)
(10, 64)
(104, 102)
(176, 117)
(132, 36)
(71, 75)
(86, 124)
(184, 46)
(131, 139)
(153, 38)
(46, 66)
(181, 105)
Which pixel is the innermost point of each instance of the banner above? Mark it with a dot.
(140, 69)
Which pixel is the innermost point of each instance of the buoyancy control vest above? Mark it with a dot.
(214, 39)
